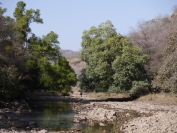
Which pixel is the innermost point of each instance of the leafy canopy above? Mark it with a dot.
(56, 74)
(24, 18)
(36, 65)
(113, 63)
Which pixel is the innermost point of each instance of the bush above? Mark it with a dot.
(115, 89)
(65, 93)
(140, 88)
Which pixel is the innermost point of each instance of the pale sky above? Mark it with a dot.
(69, 18)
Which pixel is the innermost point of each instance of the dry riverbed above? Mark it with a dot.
(130, 117)
(127, 117)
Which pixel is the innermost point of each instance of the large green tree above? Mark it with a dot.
(48, 66)
(11, 58)
(37, 64)
(106, 54)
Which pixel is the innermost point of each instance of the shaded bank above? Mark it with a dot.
(80, 99)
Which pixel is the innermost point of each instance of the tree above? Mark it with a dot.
(12, 57)
(23, 18)
(166, 79)
(51, 69)
(157, 38)
(174, 8)
(151, 37)
(102, 47)
(38, 64)
(58, 77)
(129, 69)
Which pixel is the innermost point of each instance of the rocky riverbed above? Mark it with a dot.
(127, 117)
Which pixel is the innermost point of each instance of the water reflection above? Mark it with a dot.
(58, 116)
(53, 115)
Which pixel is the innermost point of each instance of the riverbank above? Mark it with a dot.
(131, 116)
(136, 117)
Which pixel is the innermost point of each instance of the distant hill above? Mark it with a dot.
(74, 60)
(77, 64)
(69, 54)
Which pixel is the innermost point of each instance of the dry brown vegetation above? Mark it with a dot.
(104, 95)
(160, 98)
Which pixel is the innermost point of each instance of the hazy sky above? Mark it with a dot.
(69, 18)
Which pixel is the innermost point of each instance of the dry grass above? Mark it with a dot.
(104, 95)
(161, 98)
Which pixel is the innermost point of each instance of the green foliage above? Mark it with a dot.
(38, 64)
(24, 18)
(12, 57)
(99, 48)
(138, 87)
(129, 67)
(112, 61)
(2, 11)
(58, 77)
(86, 84)
(9, 81)
(55, 72)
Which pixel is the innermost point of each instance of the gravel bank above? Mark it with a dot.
(136, 117)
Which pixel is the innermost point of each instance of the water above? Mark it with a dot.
(50, 115)
(57, 116)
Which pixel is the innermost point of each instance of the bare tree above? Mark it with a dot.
(151, 36)
(174, 8)
(167, 73)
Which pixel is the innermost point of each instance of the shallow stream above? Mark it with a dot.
(50, 115)
(57, 116)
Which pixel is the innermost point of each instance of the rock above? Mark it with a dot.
(28, 128)
(43, 131)
(33, 131)
(91, 123)
(127, 115)
(16, 103)
(13, 128)
(114, 118)
(19, 109)
(17, 112)
(31, 123)
(2, 130)
(2, 117)
(102, 124)
(104, 131)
